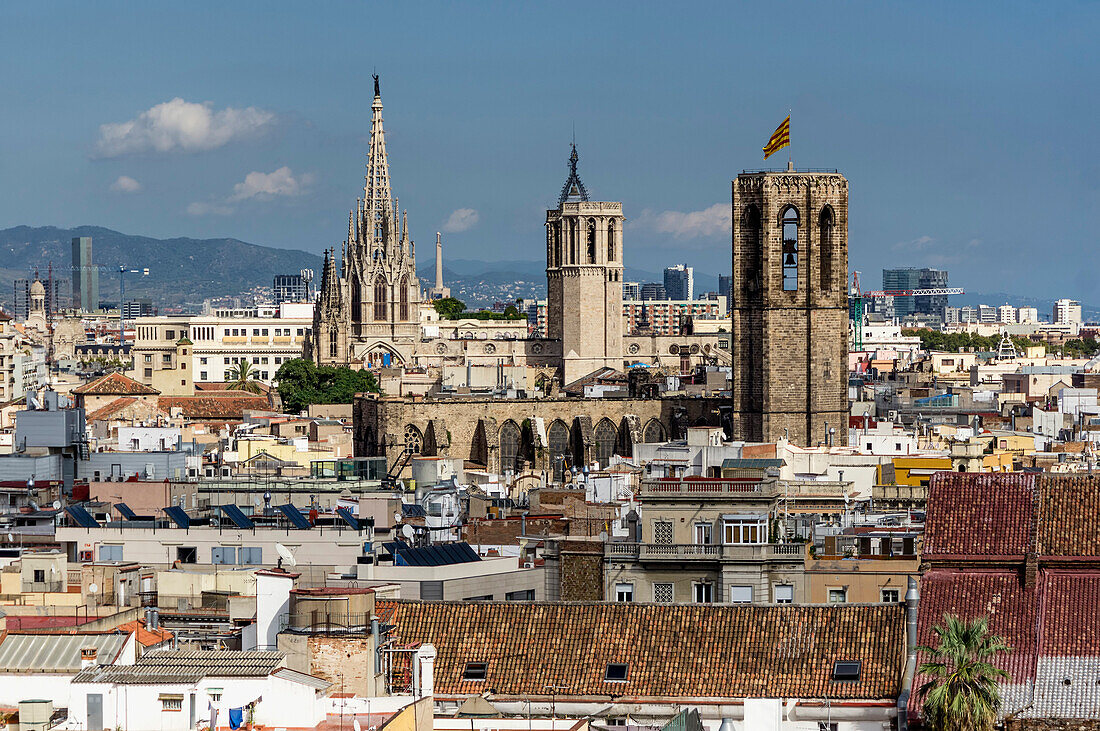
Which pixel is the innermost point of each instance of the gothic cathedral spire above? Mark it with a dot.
(378, 213)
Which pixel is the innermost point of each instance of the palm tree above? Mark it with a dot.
(961, 693)
(243, 378)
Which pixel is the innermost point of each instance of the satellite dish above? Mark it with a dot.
(355, 723)
(57, 505)
(11, 538)
(285, 554)
(397, 517)
(407, 531)
(93, 588)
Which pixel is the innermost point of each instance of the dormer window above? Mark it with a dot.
(616, 672)
(475, 671)
(846, 670)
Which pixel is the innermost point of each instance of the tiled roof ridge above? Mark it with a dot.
(596, 603)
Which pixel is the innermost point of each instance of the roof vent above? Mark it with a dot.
(846, 670)
(616, 672)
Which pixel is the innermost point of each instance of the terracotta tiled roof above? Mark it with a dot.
(111, 408)
(684, 651)
(115, 384)
(146, 637)
(227, 405)
(979, 514)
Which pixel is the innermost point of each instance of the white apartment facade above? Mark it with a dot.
(1066, 312)
(264, 337)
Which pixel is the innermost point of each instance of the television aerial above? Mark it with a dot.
(285, 555)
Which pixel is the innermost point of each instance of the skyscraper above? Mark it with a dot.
(289, 288)
(914, 278)
(85, 275)
(679, 282)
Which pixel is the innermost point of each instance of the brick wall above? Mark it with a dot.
(581, 575)
(347, 661)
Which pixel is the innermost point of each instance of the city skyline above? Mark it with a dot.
(264, 143)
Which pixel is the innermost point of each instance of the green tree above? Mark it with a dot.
(243, 378)
(511, 312)
(301, 383)
(449, 308)
(961, 693)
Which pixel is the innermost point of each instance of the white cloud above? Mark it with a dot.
(125, 184)
(711, 221)
(257, 186)
(180, 126)
(199, 208)
(264, 186)
(462, 219)
(920, 243)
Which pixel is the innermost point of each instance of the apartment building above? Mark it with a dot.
(22, 362)
(1066, 312)
(265, 338)
(664, 317)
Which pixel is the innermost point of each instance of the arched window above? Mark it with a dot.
(380, 298)
(654, 432)
(413, 440)
(404, 299)
(605, 436)
(332, 342)
(790, 249)
(356, 299)
(591, 238)
(558, 439)
(572, 241)
(510, 458)
(611, 240)
(825, 228)
(557, 244)
(753, 251)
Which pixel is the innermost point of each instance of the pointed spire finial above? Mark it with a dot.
(376, 91)
(573, 187)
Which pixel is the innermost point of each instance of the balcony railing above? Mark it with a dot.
(704, 551)
(321, 622)
(703, 486)
(37, 587)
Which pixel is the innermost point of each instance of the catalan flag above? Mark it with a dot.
(780, 138)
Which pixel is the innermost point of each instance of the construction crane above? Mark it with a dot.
(122, 270)
(857, 295)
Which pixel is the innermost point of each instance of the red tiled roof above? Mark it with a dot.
(1011, 514)
(685, 651)
(985, 514)
(1069, 515)
(228, 405)
(115, 384)
(996, 594)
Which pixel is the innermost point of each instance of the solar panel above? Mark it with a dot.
(294, 516)
(124, 510)
(82, 517)
(178, 516)
(239, 519)
(846, 670)
(348, 518)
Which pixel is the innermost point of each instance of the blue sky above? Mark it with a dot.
(968, 132)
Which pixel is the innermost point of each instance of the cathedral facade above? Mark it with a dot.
(368, 311)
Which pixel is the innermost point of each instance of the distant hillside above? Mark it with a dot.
(181, 271)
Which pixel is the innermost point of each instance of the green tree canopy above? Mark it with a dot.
(449, 308)
(302, 382)
(961, 693)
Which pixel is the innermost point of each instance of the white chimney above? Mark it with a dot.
(272, 606)
(425, 660)
(88, 656)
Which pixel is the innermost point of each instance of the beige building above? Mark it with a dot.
(218, 341)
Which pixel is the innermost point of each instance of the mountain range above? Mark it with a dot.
(185, 271)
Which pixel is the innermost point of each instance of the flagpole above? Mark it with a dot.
(790, 164)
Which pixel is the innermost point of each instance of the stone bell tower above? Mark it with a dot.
(584, 279)
(788, 300)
